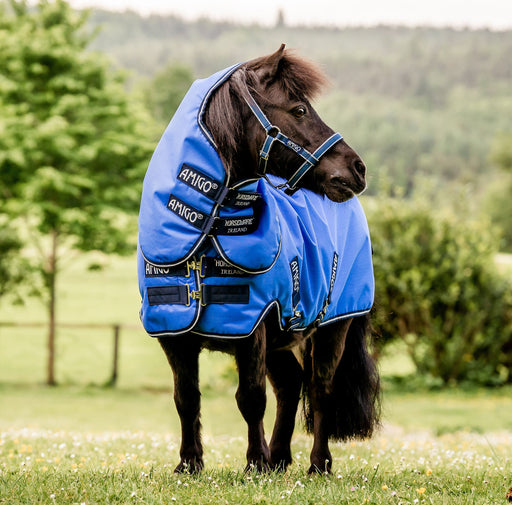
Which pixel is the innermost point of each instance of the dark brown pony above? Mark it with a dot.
(331, 364)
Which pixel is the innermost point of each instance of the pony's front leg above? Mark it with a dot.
(328, 346)
(183, 356)
(285, 375)
(251, 396)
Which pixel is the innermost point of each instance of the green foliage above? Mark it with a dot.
(497, 204)
(73, 143)
(11, 266)
(417, 102)
(498, 201)
(166, 90)
(438, 290)
(75, 146)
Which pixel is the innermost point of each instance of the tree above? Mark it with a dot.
(166, 90)
(11, 268)
(74, 145)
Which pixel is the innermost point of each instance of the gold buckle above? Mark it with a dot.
(195, 265)
(195, 295)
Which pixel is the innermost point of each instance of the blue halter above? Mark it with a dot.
(273, 134)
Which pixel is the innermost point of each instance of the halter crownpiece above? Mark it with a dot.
(273, 134)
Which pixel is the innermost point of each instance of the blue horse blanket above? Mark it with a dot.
(214, 258)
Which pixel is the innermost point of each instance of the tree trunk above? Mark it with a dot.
(51, 276)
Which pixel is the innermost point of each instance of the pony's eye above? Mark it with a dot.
(299, 111)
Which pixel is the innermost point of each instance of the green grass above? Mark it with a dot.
(84, 443)
(136, 467)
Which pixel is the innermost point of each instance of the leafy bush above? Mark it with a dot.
(498, 206)
(438, 290)
(11, 265)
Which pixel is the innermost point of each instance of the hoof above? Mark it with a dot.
(258, 467)
(317, 470)
(189, 466)
(280, 466)
(280, 460)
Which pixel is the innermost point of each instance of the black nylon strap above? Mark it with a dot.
(214, 190)
(206, 266)
(225, 294)
(208, 294)
(295, 272)
(209, 225)
(217, 267)
(190, 214)
(151, 270)
(240, 199)
(242, 225)
(167, 295)
(198, 180)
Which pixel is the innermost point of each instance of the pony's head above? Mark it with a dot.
(281, 86)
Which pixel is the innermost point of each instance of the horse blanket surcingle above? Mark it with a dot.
(214, 258)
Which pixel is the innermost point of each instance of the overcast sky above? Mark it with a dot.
(495, 14)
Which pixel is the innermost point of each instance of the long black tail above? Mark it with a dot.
(354, 406)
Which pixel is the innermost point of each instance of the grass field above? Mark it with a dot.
(133, 467)
(85, 443)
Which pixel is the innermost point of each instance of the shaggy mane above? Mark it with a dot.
(296, 77)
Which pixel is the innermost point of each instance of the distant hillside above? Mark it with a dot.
(383, 60)
(416, 102)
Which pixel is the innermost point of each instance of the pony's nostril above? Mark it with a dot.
(359, 167)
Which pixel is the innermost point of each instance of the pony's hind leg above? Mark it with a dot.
(251, 396)
(183, 356)
(285, 375)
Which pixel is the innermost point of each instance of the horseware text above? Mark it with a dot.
(227, 269)
(238, 225)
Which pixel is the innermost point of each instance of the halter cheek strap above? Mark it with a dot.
(274, 134)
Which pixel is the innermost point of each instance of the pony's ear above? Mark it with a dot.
(268, 69)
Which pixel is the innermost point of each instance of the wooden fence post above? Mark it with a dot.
(115, 360)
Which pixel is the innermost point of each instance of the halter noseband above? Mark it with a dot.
(273, 134)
